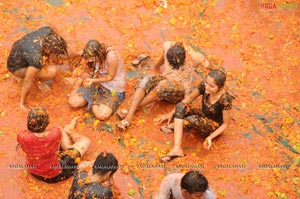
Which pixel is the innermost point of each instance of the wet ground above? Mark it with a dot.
(257, 44)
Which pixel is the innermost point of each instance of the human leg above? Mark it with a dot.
(71, 139)
(106, 103)
(144, 88)
(21, 73)
(136, 99)
(47, 73)
(202, 124)
(181, 112)
(76, 99)
(102, 112)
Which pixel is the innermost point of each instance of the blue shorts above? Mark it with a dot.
(98, 94)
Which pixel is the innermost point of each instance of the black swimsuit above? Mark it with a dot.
(27, 51)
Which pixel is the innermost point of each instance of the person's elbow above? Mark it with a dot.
(226, 125)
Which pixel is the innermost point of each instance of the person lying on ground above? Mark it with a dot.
(210, 120)
(191, 185)
(44, 160)
(30, 59)
(177, 64)
(104, 90)
(95, 182)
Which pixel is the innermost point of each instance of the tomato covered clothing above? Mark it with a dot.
(193, 117)
(184, 75)
(41, 152)
(117, 84)
(68, 165)
(165, 89)
(27, 51)
(215, 111)
(82, 187)
(206, 118)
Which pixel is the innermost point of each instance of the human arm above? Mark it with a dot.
(188, 99)
(226, 122)
(27, 84)
(199, 58)
(165, 188)
(159, 62)
(112, 71)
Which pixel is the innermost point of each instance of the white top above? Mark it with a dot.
(171, 183)
(118, 83)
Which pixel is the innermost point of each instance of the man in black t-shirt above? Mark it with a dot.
(29, 56)
(88, 184)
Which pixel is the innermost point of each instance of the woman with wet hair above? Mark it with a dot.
(210, 120)
(191, 185)
(177, 65)
(29, 59)
(41, 145)
(96, 181)
(104, 90)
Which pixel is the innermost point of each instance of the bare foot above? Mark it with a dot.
(167, 128)
(176, 152)
(122, 113)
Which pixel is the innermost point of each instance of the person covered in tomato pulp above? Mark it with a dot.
(44, 161)
(210, 119)
(31, 58)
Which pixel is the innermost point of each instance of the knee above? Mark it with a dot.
(52, 71)
(76, 101)
(101, 113)
(180, 106)
(101, 116)
(180, 110)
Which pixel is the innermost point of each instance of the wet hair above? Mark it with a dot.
(55, 44)
(194, 181)
(37, 119)
(176, 55)
(219, 77)
(94, 48)
(104, 163)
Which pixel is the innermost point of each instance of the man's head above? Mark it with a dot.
(105, 166)
(37, 120)
(193, 185)
(94, 51)
(176, 55)
(54, 44)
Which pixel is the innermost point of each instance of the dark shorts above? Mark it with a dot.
(68, 161)
(98, 94)
(194, 118)
(165, 89)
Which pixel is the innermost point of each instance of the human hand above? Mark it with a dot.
(168, 117)
(207, 143)
(88, 82)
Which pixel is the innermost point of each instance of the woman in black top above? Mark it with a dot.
(211, 119)
(29, 58)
